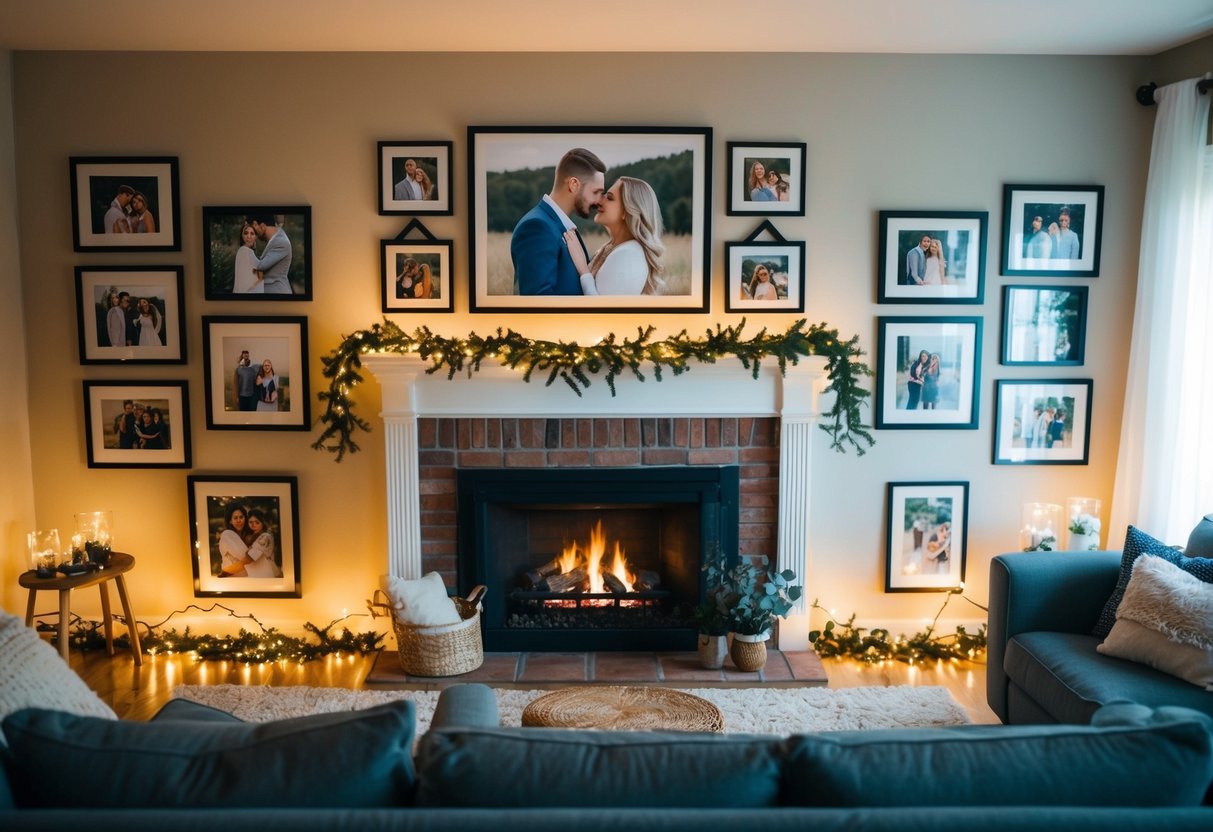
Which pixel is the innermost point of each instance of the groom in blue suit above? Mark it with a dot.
(542, 265)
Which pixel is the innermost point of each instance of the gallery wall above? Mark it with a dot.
(883, 132)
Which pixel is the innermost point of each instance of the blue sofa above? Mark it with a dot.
(1042, 665)
(193, 768)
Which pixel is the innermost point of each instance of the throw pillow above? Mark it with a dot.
(422, 602)
(1165, 621)
(1200, 542)
(1138, 543)
(355, 759)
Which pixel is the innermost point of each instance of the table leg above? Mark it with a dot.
(132, 626)
(107, 619)
(29, 608)
(65, 617)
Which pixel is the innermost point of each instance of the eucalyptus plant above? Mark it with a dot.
(749, 594)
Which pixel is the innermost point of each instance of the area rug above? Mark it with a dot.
(746, 710)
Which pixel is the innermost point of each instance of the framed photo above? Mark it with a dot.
(932, 257)
(256, 373)
(416, 274)
(766, 178)
(137, 424)
(520, 259)
(927, 372)
(245, 532)
(125, 203)
(1051, 230)
(257, 252)
(1042, 422)
(415, 178)
(1044, 325)
(130, 314)
(764, 275)
(928, 529)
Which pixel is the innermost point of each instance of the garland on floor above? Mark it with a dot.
(611, 357)
(247, 647)
(850, 642)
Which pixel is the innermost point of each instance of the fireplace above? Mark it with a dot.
(592, 558)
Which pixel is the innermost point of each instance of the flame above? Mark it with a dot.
(592, 558)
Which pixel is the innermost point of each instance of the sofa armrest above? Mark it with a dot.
(1062, 592)
(466, 706)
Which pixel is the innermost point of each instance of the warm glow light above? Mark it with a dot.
(592, 558)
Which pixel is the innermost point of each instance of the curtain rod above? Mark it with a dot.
(1145, 93)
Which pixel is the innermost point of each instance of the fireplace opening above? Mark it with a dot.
(595, 558)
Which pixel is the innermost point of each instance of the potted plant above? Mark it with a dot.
(711, 619)
(755, 597)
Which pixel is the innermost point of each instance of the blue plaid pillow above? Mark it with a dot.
(1138, 543)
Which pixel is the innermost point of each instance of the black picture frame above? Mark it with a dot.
(228, 273)
(962, 236)
(510, 169)
(281, 339)
(1031, 251)
(784, 262)
(433, 158)
(927, 529)
(1044, 326)
(217, 543)
(957, 342)
(787, 197)
(417, 275)
(1022, 438)
(118, 438)
(155, 338)
(104, 192)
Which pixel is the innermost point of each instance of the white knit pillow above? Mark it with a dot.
(33, 675)
(422, 602)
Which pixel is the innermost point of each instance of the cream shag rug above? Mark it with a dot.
(746, 710)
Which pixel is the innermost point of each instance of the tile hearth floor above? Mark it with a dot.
(800, 668)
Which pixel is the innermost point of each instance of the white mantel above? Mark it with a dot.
(725, 389)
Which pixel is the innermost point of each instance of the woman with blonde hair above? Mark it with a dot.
(936, 271)
(630, 262)
(267, 388)
(758, 188)
(761, 287)
(141, 219)
(423, 181)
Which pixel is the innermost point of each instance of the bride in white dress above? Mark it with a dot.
(149, 323)
(630, 262)
(935, 272)
(247, 281)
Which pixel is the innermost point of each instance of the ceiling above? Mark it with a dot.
(1068, 27)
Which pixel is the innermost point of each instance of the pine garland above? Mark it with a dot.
(611, 357)
(848, 641)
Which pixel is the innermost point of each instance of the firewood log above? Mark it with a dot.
(568, 580)
(535, 577)
(613, 583)
(646, 579)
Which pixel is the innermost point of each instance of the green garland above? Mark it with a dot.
(611, 357)
(848, 641)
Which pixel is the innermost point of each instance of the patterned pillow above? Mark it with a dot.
(1138, 543)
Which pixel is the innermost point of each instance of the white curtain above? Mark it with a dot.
(1164, 472)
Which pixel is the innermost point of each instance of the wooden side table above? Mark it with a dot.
(120, 563)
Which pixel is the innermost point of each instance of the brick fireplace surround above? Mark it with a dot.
(712, 415)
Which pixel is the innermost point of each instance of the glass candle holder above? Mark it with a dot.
(93, 540)
(1083, 526)
(1041, 528)
(44, 552)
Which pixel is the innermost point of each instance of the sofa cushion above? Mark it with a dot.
(1138, 543)
(550, 767)
(1010, 765)
(185, 710)
(1200, 542)
(359, 758)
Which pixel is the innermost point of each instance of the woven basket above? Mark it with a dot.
(442, 650)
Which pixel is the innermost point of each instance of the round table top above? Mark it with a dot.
(623, 708)
(119, 563)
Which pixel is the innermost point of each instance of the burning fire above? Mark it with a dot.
(592, 558)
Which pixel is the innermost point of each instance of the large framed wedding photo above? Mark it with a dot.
(256, 373)
(130, 314)
(1044, 325)
(766, 178)
(927, 372)
(1042, 422)
(125, 203)
(416, 273)
(245, 532)
(415, 178)
(137, 424)
(639, 201)
(932, 257)
(928, 528)
(1051, 230)
(764, 275)
(257, 252)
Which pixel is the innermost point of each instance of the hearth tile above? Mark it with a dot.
(553, 667)
(806, 666)
(685, 667)
(497, 667)
(625, 667)
(776, 668)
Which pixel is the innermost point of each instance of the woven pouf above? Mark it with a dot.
(623, 708)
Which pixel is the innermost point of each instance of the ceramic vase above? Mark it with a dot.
(749, 653)
(712, 650)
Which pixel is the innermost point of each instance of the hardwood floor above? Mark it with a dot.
(138, 692)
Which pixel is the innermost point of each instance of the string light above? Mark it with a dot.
(876, 646)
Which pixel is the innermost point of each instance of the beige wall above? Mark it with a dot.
(883, 132)
(1192, 60)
